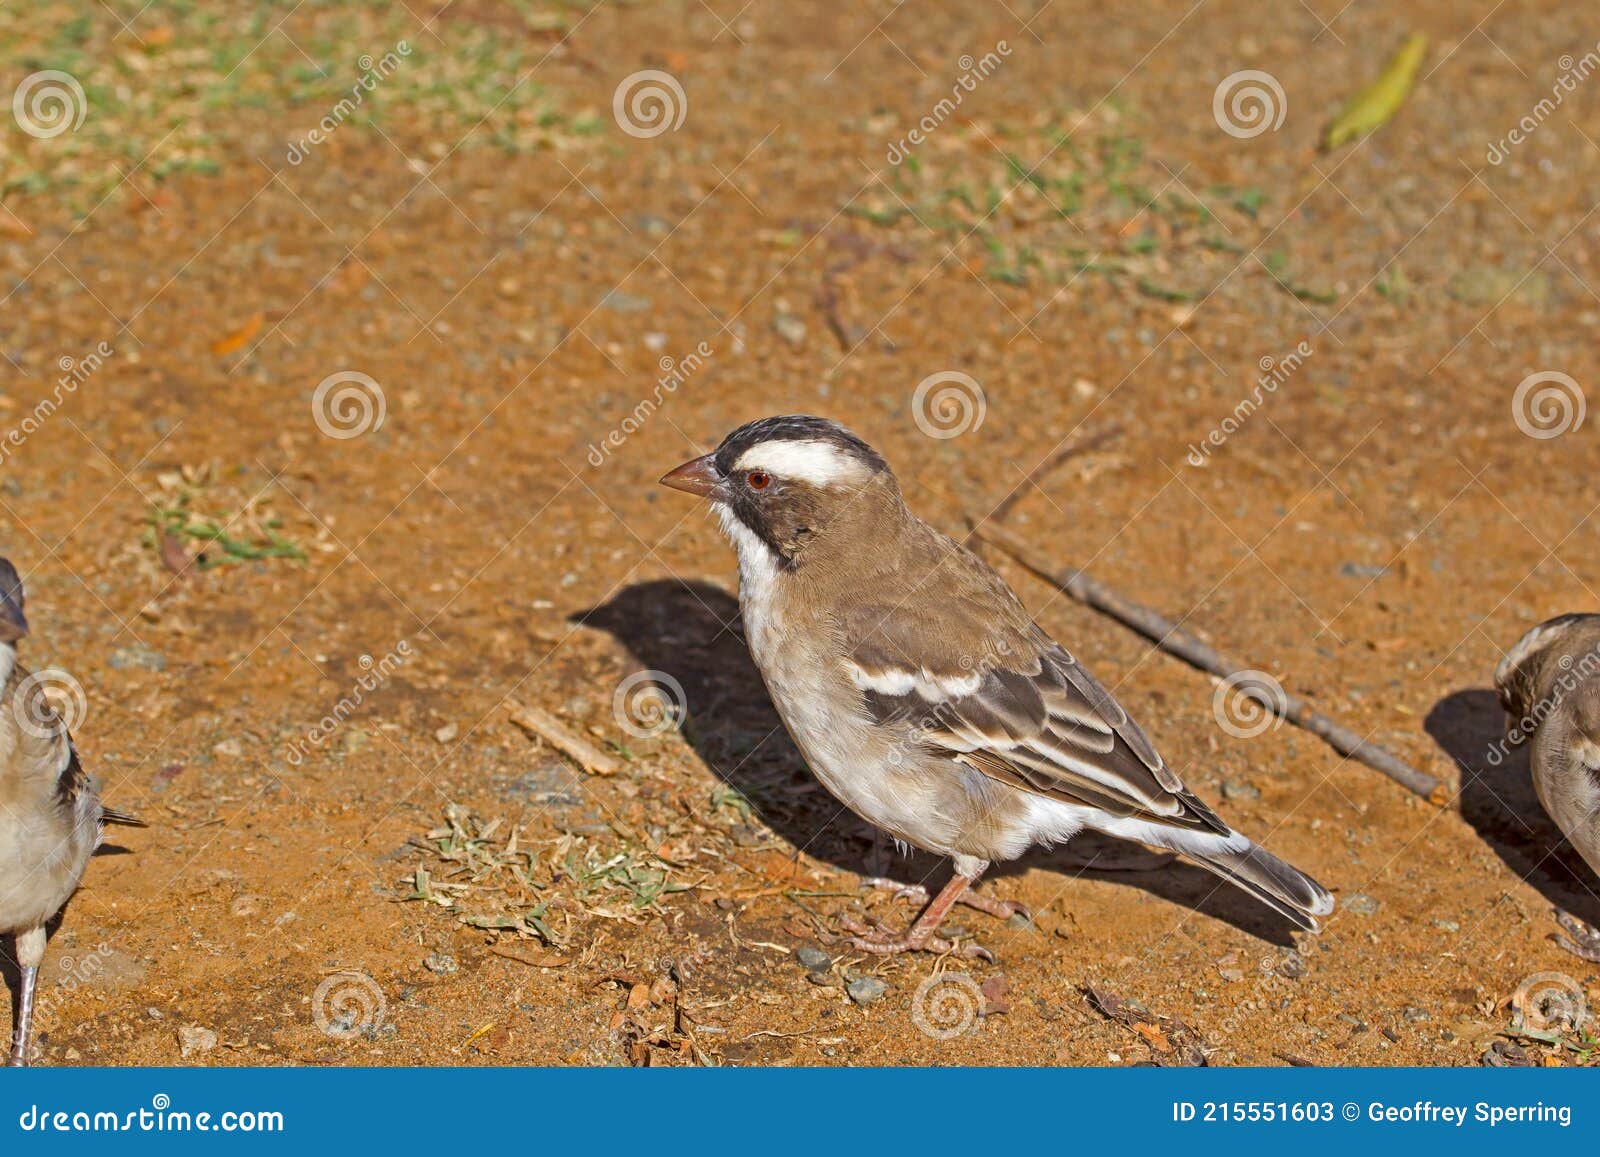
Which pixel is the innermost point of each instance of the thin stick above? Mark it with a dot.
(1070, 450)
(1167, 635)
(537, 721)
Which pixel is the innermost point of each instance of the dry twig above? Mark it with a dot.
(537, 721)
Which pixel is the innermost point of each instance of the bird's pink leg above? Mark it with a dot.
(922, 936)
(999, 909)
(1584, 938)
(30, 952)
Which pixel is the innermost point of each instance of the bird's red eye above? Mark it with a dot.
(758, 479)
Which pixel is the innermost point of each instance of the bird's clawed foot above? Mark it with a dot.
(918, 938)
(923, 935)
(1581, 940)
(999, 909)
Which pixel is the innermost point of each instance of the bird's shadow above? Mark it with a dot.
(1498, 800)
(690, 633)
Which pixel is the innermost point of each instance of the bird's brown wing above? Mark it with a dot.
(966, 671)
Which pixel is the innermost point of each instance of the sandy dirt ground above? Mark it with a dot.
(333, 432)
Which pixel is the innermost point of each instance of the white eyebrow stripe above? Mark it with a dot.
(804, 460)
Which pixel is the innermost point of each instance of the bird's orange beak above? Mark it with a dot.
(698, 476)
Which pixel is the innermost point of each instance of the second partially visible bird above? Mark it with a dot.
(51, 819)
(1549, 684)
(920, 691)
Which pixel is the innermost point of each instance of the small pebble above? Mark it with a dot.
(1293, 966)
(1447, 925)
(1361, 570)
(441, 962)
(1360, 904)
(193, 1039)
(1021, 922)
(1239, 789)
(791, 329)
(619, 302)
(247, 905)
(1414, 1015)
(867, 990)
(231, 748)
(447, 733)
(813, 959)
(137, 657)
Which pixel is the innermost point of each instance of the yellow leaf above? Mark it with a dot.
(1372, 107)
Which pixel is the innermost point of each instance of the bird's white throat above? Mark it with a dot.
(758, 562)
(758, 583)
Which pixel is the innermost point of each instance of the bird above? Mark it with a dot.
(921, 692)
(1549, 685)
(51, 817)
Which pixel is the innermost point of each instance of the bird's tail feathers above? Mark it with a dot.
(1281, 886)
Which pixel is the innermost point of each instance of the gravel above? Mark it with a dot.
(813, 959)
(867, 990)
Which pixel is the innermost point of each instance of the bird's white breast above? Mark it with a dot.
(821, 706)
